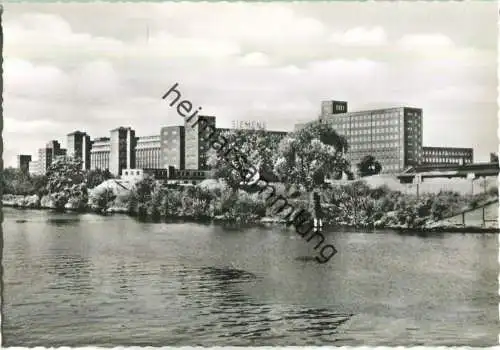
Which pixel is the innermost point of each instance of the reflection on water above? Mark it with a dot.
(109, 281)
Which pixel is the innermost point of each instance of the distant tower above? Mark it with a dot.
(332, 107)
(78, 146)
(48, 154)
(122, 150)
(23, 163)
(196, 147)
(172, 147)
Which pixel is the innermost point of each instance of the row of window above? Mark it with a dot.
(394, 142)
(169, 132)
(131, 172)
(445, 160)
(368, 116)
(445, 153)
(349, 131)
(365, 124)
(384, 145)
(167, 141)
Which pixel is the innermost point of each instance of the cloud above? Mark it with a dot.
(22, 78)
(430, 41)
(27, 127)
(360, 36)
(469, 93)
(31, 34)
(257, 59)
(97, 66)
(98, 82)
(280, 24)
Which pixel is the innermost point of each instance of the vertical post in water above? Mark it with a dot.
(484, 218)
(317, 215)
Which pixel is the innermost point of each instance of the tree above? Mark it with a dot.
(63, 174)
(369, 166)
(14, 181)
(241, 149)
(306, 156)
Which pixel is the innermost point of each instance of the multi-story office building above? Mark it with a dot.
(447, 155)
(23, 163)
(197, 147)
(78, 146)
(122, 150)
(148, 152)
(34, 169)
(173, 147)
(393, 136)
(48, 154)
(99, 153)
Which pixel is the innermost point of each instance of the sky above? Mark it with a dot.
(94, 67)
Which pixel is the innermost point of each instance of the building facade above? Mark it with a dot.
(186, 176)
(122, 150)
(99, 153)
(197, 147)
(332, 107)
(79, 146)
(48, 154)
(393, 135)
(447, 155)
(172, 139)
(34, 169)
(135, 175)
(148, 152)
(23, 163)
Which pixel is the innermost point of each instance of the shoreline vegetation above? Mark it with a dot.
(294, 170)
(352, 205)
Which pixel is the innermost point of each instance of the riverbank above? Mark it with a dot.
(354, 204)
(30, 202)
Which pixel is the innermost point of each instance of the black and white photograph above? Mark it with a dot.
(250, 174)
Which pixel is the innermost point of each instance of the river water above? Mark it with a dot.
(75, 280)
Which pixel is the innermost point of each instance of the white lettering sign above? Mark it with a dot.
(249, 125)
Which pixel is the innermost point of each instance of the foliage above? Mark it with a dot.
(354, 203)
(243, 149)
(369, 166)
(101, 200)
(308, 155)
(63, 174)
(494, 157)
(140, 196)
(94, 178)
(78, 197)
(14, 181)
